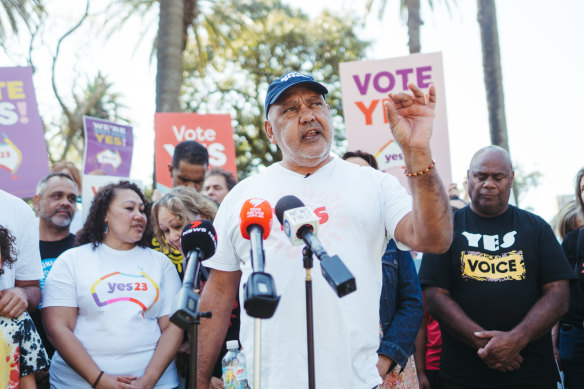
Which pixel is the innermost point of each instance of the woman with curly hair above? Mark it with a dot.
(106, 303)
(21, 349)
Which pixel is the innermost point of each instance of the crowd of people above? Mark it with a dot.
(498, 301)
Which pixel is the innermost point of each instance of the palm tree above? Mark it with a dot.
(487, 18)
(410, 11)
(170, 45)
(11, 11)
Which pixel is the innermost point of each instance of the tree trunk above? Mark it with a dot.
(487, 18)
(169, 55)
(414, 23)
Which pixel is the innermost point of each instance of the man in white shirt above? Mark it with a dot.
(19, 285)
(360, 209)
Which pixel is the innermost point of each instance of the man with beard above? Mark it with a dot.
(54, 202)
(356, 221)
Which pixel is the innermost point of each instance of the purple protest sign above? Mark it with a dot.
(108, 147)
(23, 151)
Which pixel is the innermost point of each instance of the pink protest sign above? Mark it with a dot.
(108, 147)
(23, 152)
(366, 84)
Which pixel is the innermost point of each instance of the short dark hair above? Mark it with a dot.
(369, 158)
(191, 152)
(579, 176)
(229, 179)
(7, 249)
(93, 230)
(41, 186)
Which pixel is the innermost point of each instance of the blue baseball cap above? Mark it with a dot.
(289, 79)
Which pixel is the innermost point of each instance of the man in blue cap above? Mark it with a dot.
(359, 210)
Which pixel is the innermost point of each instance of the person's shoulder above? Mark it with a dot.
(250, 184)
(571, 237)
(529, 217)
(9, 200)
(78, 251)
(15, 206)
(340, 163)
(461, 214)
(154, 254)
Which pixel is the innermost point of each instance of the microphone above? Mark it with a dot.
(301, 225)
(260, 298)
(198, 242)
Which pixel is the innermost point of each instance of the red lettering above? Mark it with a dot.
(322, 214)
(367, 111)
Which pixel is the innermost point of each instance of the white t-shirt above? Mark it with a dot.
(359, 209)
(18, 217)
(120, 296)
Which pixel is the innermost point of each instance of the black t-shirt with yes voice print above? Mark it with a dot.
(494, 270)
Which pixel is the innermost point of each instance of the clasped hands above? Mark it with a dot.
(500, 350)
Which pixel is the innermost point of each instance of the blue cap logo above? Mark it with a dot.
(289, 79)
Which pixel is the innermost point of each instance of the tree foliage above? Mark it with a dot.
(15, 12)
(275, 39)
(65, 139)
(410, 11)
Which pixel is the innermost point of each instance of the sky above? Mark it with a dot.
(541, 59)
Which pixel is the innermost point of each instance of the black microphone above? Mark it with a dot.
(301, 225)
(260, 299)
(198, 242)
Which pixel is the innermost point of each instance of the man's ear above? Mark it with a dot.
(37, 203)
(270, 132)
(171, 169)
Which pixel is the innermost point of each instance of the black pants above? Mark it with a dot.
(451, 385)
(434, 379)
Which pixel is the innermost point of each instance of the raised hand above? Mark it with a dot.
(411, 117)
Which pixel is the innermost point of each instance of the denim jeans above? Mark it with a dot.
(571, 344)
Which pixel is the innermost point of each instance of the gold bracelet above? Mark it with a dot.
(421, 172)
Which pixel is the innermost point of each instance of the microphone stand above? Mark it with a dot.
(307, 260)
(194, 283)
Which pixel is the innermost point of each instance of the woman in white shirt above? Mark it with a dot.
(106, 303)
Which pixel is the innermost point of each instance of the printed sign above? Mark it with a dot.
(108, 147)
(212, 131)
(365, 86)
(23, 152)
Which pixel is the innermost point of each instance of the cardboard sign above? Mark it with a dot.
(366, 84)
(108, 147)
(212, 131)
(23, 151)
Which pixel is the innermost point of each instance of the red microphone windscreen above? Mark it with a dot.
(256, 211)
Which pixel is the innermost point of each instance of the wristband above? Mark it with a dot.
(97, 379)
(421, 172)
